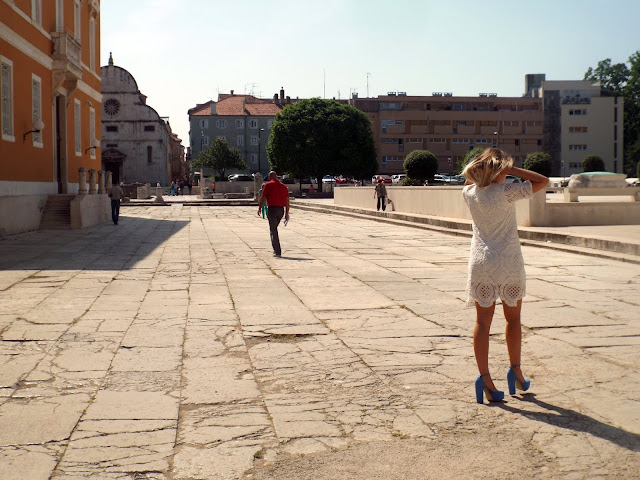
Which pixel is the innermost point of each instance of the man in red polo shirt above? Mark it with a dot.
(276, 194)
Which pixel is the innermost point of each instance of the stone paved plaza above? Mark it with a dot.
(175, 346)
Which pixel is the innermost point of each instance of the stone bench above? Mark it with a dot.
(237, 195)
(571, 194)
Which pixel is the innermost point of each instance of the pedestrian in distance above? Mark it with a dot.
(116, 194)
(172, 190)
(276, 196)
(381, 193)
(496, 266)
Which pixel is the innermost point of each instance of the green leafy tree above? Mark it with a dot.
(612, 77)
(316, 137)
(471, 154)
(593, 163)
(220, 157)
(538, 162)
(624, 80)
(421, 165)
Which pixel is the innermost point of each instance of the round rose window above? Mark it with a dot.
(111, 106)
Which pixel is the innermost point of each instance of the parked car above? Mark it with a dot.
(457, 180)
(397, 179)
(385, 178)
(438, 179)
(239, 177)
(512, 179)
(343, 180)
(328, 179)
(288, 181)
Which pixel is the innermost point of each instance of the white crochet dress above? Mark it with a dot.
(496, 266)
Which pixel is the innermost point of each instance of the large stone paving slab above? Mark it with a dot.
(177, 347)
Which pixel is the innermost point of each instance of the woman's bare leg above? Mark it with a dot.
(484, 316)
(514, 335)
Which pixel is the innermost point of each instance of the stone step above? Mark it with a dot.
(57, 213)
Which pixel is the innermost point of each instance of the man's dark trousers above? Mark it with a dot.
(115, 210)
(274, 215)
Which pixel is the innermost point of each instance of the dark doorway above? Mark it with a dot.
(114, 168)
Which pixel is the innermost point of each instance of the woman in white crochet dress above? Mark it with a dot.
(496, 266)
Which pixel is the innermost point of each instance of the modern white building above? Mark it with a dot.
(580, 119)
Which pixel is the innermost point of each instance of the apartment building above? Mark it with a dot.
(243, 121)
(581, 119)
(50, 111)
(450, 126)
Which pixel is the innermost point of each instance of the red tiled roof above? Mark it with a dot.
(201, 108)
(237, 105)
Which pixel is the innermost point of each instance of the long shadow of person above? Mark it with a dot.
(572, 420)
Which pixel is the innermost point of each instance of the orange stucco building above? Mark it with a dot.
(51, 101)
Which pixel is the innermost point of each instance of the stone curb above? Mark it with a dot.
(596, 247)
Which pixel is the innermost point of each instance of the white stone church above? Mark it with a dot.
(137, 143)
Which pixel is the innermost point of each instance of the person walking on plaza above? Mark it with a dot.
(276, 195)
(381, 193)
(116, 194)
(496, 266)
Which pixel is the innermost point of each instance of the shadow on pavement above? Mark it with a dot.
(297, 259)
(101, 247)
(578, 422)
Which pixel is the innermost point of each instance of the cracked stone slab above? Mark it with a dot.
(147, 359)
(29, 422)
(98, 447)
(218, 379)
(38, 461)
(114, 405)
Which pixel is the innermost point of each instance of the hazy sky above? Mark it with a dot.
(184, 52)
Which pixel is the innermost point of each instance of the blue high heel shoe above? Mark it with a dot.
(481, 388)
(513, 382)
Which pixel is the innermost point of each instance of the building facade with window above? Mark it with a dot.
(450, 126)
(243, 121)
(138, 145)
(581, 119)
(50, 86)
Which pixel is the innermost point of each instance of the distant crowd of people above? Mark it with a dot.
(180, 187)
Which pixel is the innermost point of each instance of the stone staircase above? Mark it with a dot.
(57, 213)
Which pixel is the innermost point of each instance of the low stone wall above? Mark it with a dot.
(536, 212)
(144, 191)
(235, 187)
(21, 213)
(600, 213)
(88, 210)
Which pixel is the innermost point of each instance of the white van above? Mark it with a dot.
(398, 179)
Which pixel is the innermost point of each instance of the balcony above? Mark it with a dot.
(67, 56)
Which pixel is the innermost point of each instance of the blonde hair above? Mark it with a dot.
(483, 169)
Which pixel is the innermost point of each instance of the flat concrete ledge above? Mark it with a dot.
(21, 213)
(593, 245)
(89, 210)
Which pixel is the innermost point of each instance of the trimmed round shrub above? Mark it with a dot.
(470, 155)
(593, 163)
(412, 182)
(538, 162)
(421, 165)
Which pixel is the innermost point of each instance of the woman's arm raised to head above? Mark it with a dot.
(538, 182)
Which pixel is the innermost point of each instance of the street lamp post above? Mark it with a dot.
(259, 149)
(497, 134)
